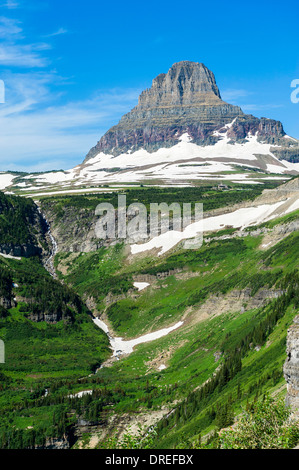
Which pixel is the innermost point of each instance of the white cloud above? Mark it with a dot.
(261, 107)
(39, 128)
(10, 4)
(37, 135)
(234, 94)
(9, 27)
(14, 52)
(57, 33)
(25, 56)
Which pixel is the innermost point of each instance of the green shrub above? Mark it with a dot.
(265, 425)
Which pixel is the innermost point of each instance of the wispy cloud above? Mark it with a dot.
(240, 96)
(18, 55)
(233, 95)
(39, 128)
(59, 32)
(9, 27)
(10, 4)
(261, 107)
(14, 51)
(37, 135)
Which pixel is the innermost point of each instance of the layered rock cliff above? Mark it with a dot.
(185, 100)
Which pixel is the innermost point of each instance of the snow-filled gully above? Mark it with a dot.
(120, 346)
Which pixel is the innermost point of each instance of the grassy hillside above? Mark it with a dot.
(40, 355)
(243, 347)
(235, 297)
(47, 331)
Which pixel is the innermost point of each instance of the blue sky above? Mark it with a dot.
(71, 68)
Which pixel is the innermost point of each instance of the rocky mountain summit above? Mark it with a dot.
(184, 100)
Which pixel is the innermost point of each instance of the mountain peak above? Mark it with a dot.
(185, 84)
(185, 100)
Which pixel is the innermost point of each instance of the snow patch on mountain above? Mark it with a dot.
(241, 218)
(6, 180)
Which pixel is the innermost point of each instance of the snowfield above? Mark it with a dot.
(119, 346)
(240, 218)
(185, 161)
(141, 285)
(6, 180)
(184, 150)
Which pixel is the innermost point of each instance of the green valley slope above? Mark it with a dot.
(237, 295)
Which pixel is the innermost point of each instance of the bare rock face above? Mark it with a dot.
(291, 366)
(185, 84)
(26, 250)
(7, 302)
(267, 130)
(185, 100)
(75, 230)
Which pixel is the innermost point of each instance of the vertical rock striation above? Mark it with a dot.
(291, 366)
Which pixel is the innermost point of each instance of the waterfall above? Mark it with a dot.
(48, 262)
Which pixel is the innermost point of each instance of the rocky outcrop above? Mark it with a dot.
(287, 191)
(26, 250)
(84, 426)
(55, 443)
(291, 365)
(288, 150)
(267, 130)
(7, 302)
(50, 317)
(185, 100)
(241, 300)
(74, 230)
